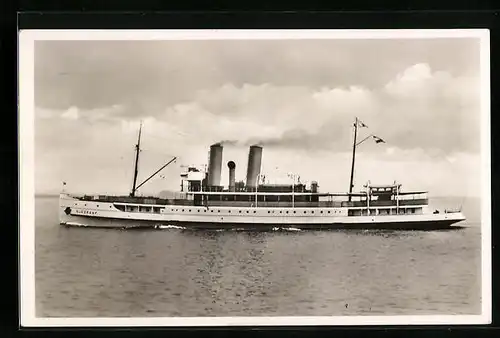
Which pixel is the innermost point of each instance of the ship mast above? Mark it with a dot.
(357, 124)
(353, 158)
(137, 150)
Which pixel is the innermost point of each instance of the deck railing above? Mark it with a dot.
(420, 201)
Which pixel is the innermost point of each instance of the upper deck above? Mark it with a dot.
(372, 197)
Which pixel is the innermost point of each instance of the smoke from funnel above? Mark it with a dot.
(228, 142)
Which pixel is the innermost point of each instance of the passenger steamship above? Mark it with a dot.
(204, 203)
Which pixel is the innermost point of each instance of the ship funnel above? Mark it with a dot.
(232, 181)
(214, 165)
(254, 163)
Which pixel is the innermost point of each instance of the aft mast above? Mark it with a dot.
(353, 158)
(357, 124)
(137, 150)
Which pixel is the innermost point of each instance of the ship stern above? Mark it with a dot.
(452, 218)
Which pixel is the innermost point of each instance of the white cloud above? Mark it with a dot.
(70, 114)
(390, 150)
(419, 108)
(428, 118)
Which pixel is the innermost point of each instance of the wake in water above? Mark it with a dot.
(75, 224)
(169, 227)
(285, 229)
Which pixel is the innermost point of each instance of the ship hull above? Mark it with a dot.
(96, 222)
(74, 212)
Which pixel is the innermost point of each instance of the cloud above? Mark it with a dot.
(299, 101)
(419, 108)
(70, 114)
(149, 75)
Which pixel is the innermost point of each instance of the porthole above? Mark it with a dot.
(182, 210)
(239, 211)
(281, 212)
(198, 210)
(268, 211)
(189, 210)
(305, 211)
(204, 210)
(211, 211)
(294, 211)
(98, 205)
(254, 211)
(229, 211)
(218, 210)
(287, 212)
(328, 211)
(321, 211)
(247, 211)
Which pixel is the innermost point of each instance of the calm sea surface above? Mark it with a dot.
(83, 272)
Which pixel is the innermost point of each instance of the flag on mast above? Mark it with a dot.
(378, 139)
(361, 124)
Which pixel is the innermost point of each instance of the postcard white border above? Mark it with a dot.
(27, 39)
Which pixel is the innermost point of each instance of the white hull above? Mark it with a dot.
(105, 214)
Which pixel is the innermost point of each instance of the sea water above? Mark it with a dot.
(89, 272)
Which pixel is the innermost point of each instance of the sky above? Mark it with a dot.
(298, 98)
